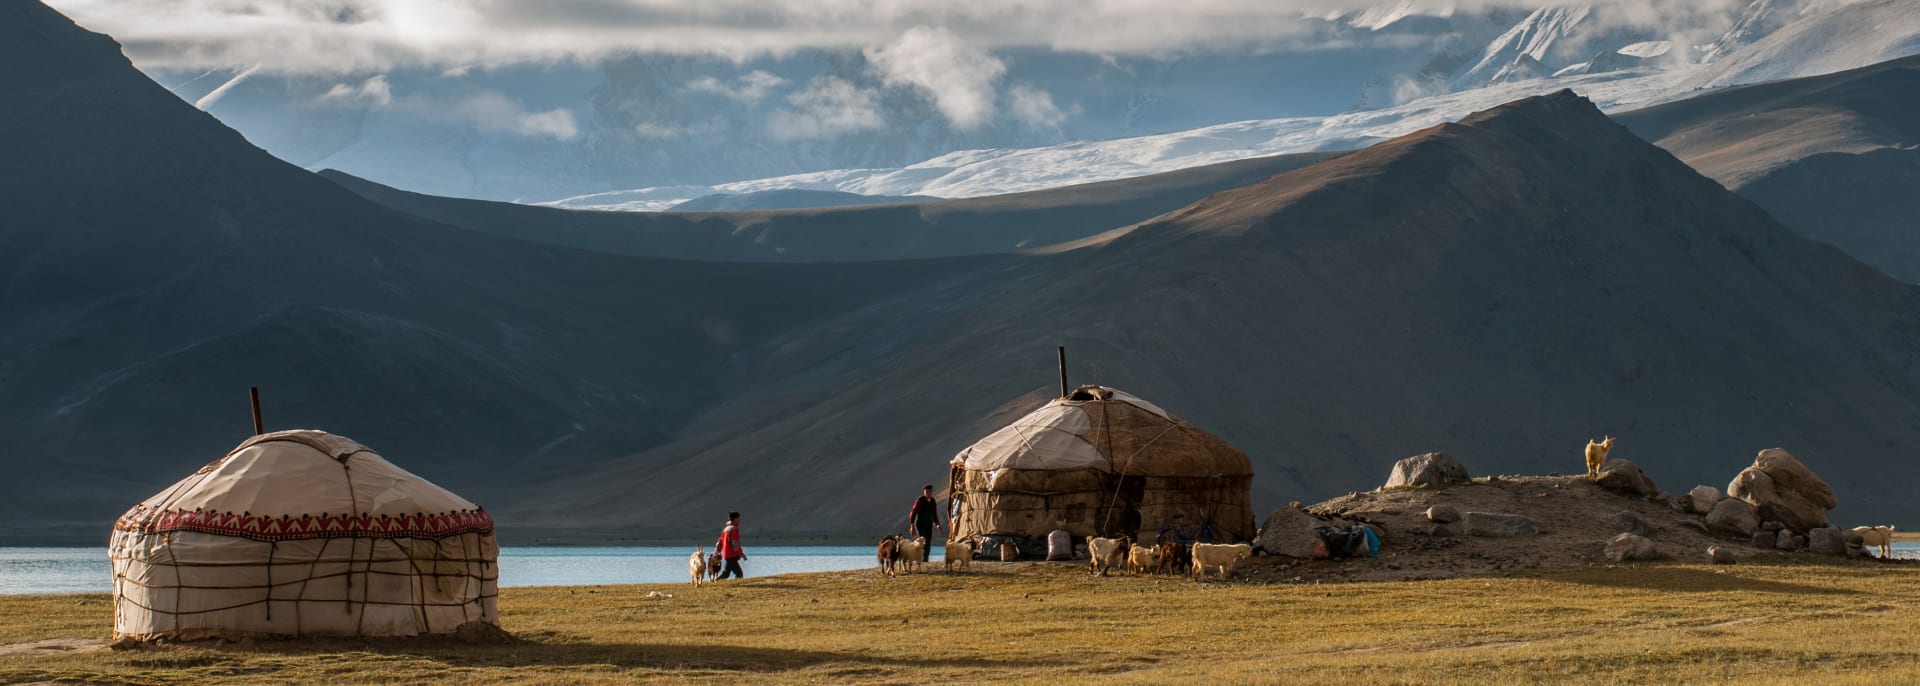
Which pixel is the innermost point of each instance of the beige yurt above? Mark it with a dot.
(302, 533)
(1102, 462)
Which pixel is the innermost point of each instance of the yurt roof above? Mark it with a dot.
(1109, 430)
(306, 484)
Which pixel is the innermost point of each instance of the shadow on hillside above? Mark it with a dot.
(1686, 580)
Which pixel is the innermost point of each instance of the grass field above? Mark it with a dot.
(1785, 621)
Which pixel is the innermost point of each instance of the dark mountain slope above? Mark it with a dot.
(936, 228)
(153, 265)
(1464, 289)
(1833, 157)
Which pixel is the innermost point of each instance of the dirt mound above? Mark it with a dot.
(1574, 517)
(484, 633)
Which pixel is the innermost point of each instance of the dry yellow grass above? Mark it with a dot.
(1781, 622)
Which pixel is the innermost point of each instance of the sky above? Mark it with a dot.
(952, 54)
(353, 36)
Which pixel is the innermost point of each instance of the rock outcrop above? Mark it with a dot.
(1630, 522)
(1628, 547)
(1781, 488)
(1624, 476)
(1431, 469)
(1826, 540)
(1289, 531)
(1783, 540)
(1734, 518)
(1701, 499)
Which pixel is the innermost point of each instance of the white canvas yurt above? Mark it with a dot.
(1100, 461)
(302, 533)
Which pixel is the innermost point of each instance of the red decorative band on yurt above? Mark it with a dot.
(286, 527)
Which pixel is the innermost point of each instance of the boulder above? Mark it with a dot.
(1443, 514)
(1771, 525)
(1431, 469)
(1498, 525)
(1780, 488)
(1626, 547)
(1630, 522)
(1733, 518)
(1826, 540)
(1624, 476)
(1702, 499)
(1853, 537)
(1799, 542)
(1289, 532)
(1782, 539)
(1762, 539)
(1720, 556)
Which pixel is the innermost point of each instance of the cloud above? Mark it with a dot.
(958, 77)
(494, 111)
(363, 36)
(485, 110)
(749, 89)
(373, 91)
(828, 108)
(1034, 107)
(657, 131)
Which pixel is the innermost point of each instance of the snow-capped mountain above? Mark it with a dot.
(972, 173)
(1824, 37)
(547, 131)
(1632, 69)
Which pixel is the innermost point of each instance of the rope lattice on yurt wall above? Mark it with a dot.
(419, 602)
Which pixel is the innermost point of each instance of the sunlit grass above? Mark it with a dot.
(1784, 623)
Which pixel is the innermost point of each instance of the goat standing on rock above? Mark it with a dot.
(1597, 455)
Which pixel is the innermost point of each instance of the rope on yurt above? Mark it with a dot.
(173, 560)
(466, 579)
(272, 547)
(1119, 478)
(300, 596)
(135, 555)
(421, 622)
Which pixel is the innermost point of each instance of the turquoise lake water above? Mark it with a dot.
(85, 570)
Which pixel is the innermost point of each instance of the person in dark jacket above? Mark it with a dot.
(728, 547)
(925, 517)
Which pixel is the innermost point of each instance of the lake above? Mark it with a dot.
(85, 570)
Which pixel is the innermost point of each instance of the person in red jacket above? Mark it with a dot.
(728, 547)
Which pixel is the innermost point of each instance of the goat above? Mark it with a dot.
(961, 552)
(888, 553)
(697, 566)
(1597, 455)
(1223, 556)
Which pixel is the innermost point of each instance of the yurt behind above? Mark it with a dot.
(1102, 462)
(302, 533)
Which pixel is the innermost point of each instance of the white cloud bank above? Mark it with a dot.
(959, 78)
(828, 108)
(363, 36)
